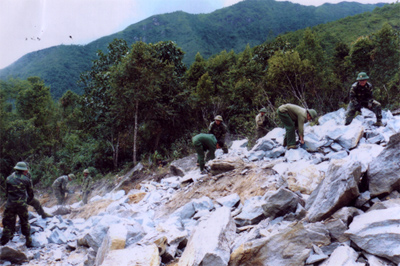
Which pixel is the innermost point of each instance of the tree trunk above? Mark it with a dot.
(135, 133)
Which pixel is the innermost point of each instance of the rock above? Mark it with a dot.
(377, 232)
(294, 155)
(182, 166)
(115, 239)
(279, 203)
(391, 203)
(94, 238)
(384, 171)
(57, 237)
(12, 255)
(134, 255)
(209, 244)
(289, 246)
(252, 212)
(229, 201)
(338, 189)
(221, 166)
(343, 256)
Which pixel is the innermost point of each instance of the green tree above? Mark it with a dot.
(136, 83)
(97, 101)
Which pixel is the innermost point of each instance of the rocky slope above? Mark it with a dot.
(335, 204)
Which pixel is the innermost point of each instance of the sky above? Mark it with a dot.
(32, 25)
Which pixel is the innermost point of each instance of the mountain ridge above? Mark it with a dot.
(232, 28)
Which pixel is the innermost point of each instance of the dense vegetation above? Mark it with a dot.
(141, 103)
(232, 28)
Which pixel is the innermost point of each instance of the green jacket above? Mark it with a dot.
(86, 184)
(19, 190)
(361, 95)
(61, 183)
(219, 131)
(204, 142)
(297, 114)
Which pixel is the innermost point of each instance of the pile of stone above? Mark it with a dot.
(336, 203)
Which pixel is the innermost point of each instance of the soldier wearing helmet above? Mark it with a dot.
(361, 96)
(60, 187)
(86, 186)
(19, 192)
(219, 129)
(294, 117)
(35, 203)
(261, 122)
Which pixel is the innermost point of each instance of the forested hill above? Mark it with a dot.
(249, 22)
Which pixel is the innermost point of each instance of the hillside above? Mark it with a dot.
(232, 28)
(333, 204)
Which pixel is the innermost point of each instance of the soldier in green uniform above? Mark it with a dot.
(202, 143)
(36, 203)
(19, 191)
(219, 129)
(261, 122)
(361, 96)
(86, 186)
(293, 117)
(60, 187)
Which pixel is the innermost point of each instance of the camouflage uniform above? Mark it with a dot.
(261, 120)
(204, 142)
(362, 97)
(86, 187)
(219, 131)
(60, 188)
(19, 191)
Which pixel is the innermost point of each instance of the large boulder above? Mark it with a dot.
(337, 190)
(343, 256)
(279, 203)
(209, 244)
(384, 172)
(289, 246)
(377, 232)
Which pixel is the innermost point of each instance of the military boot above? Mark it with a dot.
(378, 123)
(42, 213)
(28, 242)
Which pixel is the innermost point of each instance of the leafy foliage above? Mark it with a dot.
(141, 102)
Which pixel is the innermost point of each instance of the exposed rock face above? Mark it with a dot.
(337, 190)
(384, 172)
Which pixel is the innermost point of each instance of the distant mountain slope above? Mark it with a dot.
(248, 22)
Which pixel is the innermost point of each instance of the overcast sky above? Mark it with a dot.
(31, 25)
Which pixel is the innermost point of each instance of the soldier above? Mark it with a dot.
(202, 143)
(36, 203)
(219, 129)
(361, 96)
(293, 117)
(60, 187)
(19, 191)
(86, 186)
(261, 122)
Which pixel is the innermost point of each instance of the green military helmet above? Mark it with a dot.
(218, 117)
(21, 166)
(71, 176)
(263, 110)
(362, 76)
(312, 113)
(86, 171)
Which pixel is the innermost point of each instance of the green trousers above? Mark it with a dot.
(9, 220)
(289, 125)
